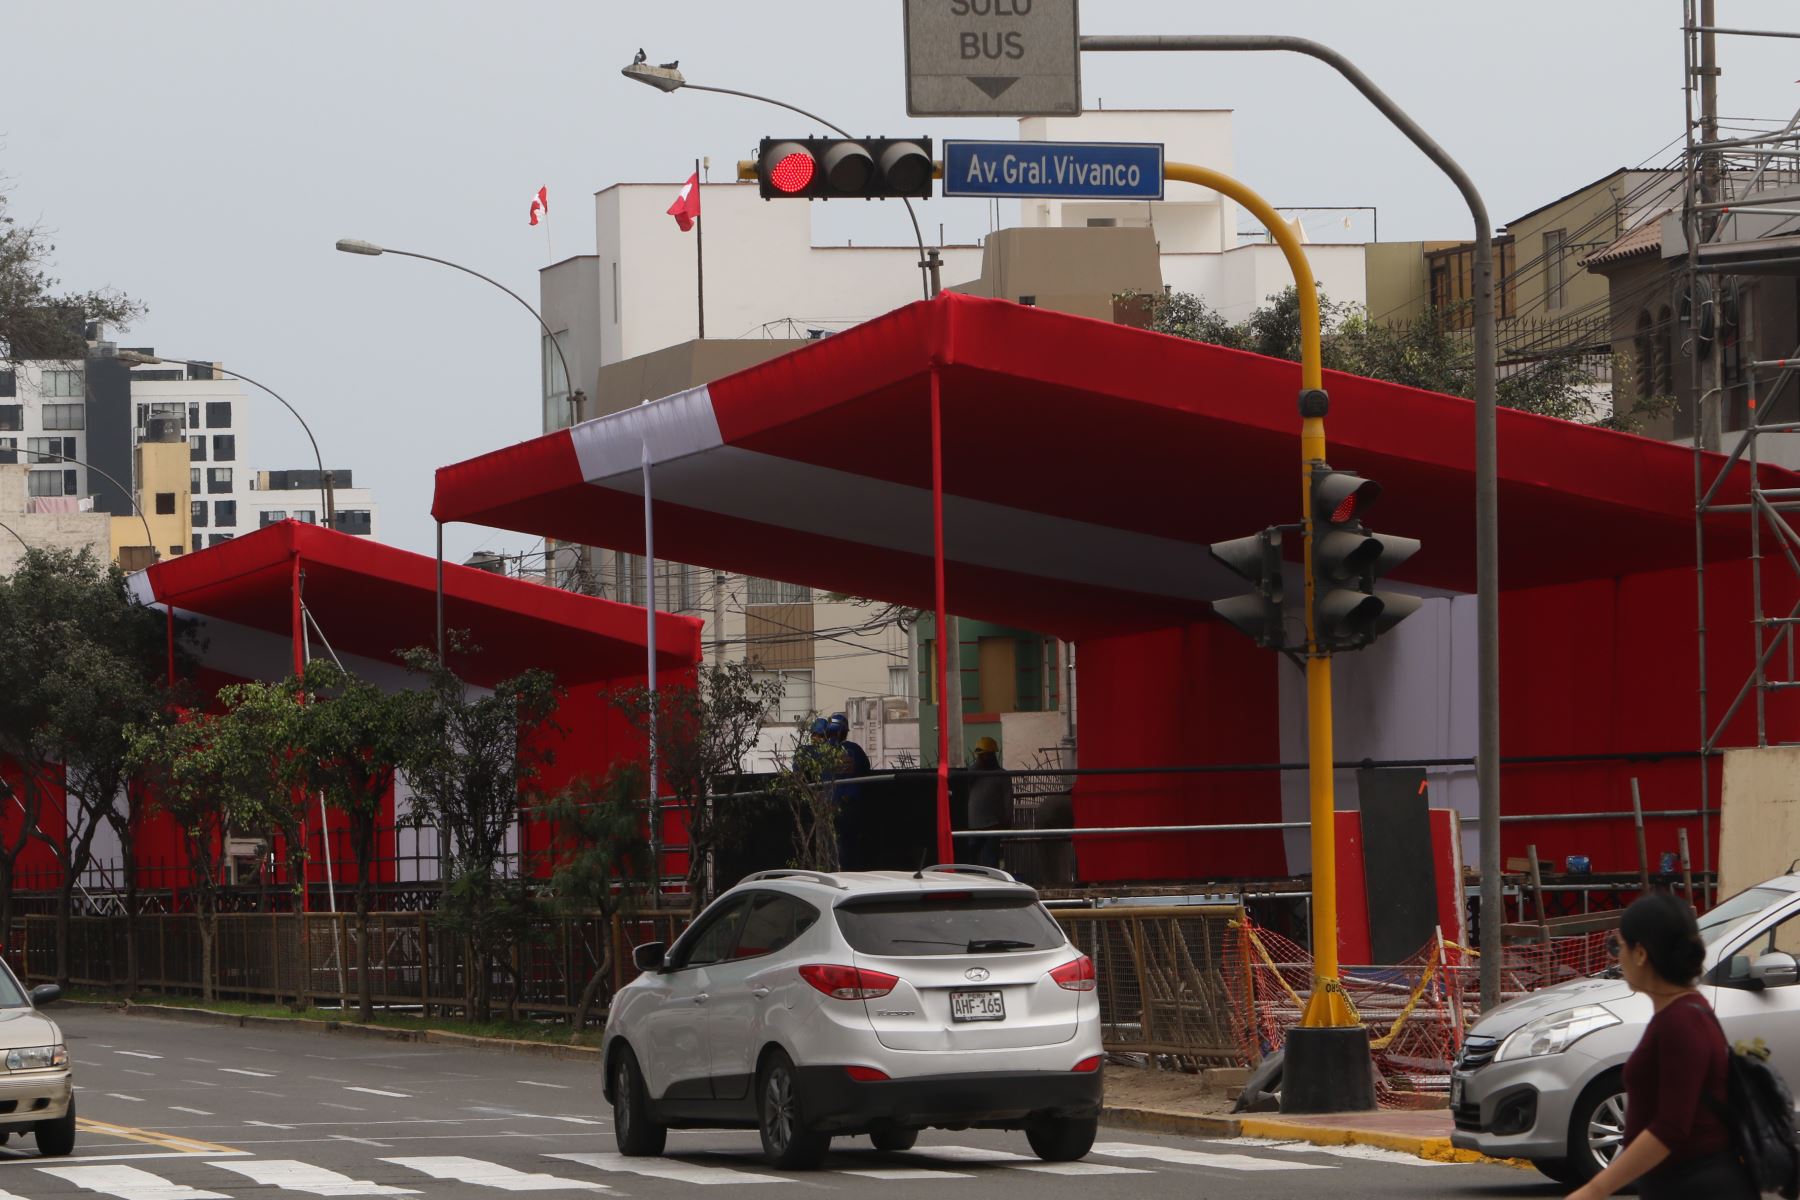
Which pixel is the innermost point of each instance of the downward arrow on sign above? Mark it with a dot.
(993, 85)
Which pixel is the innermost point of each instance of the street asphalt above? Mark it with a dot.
(175, 1110)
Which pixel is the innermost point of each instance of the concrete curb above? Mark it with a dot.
(1158, 1120)
(208, 1016)
(1434, 1149)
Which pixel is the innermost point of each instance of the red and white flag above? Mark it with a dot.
(686, 209)
(540, 204)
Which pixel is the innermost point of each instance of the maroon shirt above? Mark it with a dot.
(1681, 1056)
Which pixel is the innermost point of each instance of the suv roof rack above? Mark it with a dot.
(796, 873)
(967, 869)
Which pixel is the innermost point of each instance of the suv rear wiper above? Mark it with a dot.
(979, 944)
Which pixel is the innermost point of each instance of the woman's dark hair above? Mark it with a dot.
(1664, 927)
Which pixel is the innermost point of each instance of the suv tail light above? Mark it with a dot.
(1076, 976)
(873, 1075)
(849, 983)
(1087, 1064)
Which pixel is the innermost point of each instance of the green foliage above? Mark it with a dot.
(603, 862)
(703, 733)
(803, 787)
(37, 320)
(472, 759)
(1424, 352)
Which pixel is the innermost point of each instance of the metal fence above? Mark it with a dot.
(1162, 970)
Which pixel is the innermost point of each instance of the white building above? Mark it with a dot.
(296, 496)
(215, 414)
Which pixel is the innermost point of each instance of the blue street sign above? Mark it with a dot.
(1055, 170)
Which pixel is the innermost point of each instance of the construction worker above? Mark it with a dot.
(990, 801)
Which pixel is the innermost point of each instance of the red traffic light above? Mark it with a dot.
(793, 173)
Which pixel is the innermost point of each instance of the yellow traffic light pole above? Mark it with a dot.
(1328, 1006)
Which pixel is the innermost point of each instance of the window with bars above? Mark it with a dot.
(773, 591)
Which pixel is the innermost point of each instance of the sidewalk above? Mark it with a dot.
(1198, 1105)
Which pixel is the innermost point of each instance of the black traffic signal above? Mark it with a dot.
(1258, 559)
(844, 168)
(1347, 559)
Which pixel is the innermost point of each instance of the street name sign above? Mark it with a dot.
(992, 58)
(1055, 170)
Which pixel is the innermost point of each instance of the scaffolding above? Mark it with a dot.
(1740, 201)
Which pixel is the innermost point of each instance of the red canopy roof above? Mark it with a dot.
(1086, 467)
(371, 600)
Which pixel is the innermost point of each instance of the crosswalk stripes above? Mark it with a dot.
(129, 1183)
(980, 1156)
(292, 1176)
(1201, 1158)
(673, 1169)
(487, 1174)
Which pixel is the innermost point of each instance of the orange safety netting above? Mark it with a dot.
(1416, 1011)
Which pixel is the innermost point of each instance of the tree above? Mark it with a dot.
(1423, 352)
(84, 661)
(353, 736)
(602, 861)
(703, 732)
(37, 320)
(209, 781)
(471, 757)
(804, 786)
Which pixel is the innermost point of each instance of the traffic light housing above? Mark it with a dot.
(1347, 559)
(844, 168)
(1256, 558)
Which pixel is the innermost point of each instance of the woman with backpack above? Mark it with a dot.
(1677, 1141)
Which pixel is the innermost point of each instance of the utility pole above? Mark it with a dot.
(718, 618)
(1709, 413)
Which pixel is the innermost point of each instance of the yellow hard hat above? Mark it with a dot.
(987, 745)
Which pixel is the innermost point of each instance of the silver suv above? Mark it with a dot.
(808, 1005)
(1542, 1078)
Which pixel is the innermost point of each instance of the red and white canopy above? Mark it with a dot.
(1086, 467)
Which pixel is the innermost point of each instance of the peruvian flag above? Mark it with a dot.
(686, 209)
(540, 204)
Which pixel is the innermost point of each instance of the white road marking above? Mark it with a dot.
(344, 1137)
(123, 1096)
(145, 1074)
(1359, 1153)
(9, 1196)
(242, 1071)
(198, 1112)
(379, 1092)
(979, 1156)
(534, 1083)
(667, 1168)
(137, 1054)
(268, 1124)
(31, 1160)
(129, 1183)
(345, 1107)
(905, 1173)
(487, 1174)
(292, 1176)
(1201, 1158)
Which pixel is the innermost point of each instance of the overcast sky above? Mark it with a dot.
(203, 157)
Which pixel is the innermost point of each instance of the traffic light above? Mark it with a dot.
(844, 168)
(1258, 559)
(1347, 559)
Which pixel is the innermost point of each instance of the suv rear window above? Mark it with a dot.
(947, 923)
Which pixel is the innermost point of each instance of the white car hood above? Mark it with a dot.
(1595, 989)
(22, 1027)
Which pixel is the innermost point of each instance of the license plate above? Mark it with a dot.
(1456, 1091)
(977, 1006)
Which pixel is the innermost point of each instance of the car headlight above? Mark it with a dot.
(36, 1058)
(1555, 1033)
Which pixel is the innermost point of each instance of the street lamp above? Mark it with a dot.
(669, 79)
(577, 396)
(325, 477)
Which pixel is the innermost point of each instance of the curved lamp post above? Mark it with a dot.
(325, 477)
(668, 79)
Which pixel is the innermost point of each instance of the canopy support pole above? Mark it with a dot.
(440, 594)
(169, 638)
(655, 809)
(944, 851)
(299, 640)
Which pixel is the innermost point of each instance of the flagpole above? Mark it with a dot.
(699, 255)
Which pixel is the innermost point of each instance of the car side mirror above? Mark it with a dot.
(1775, 969)
(649, 956)
(48, 993)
